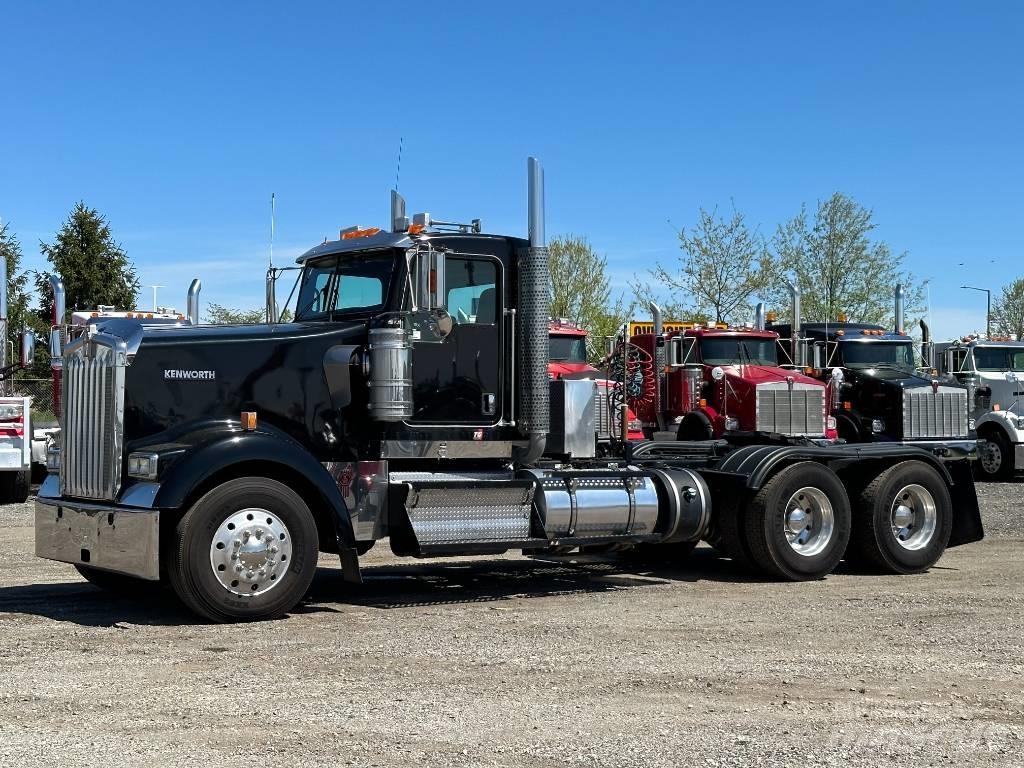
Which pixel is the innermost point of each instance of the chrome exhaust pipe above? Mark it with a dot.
(759, 317)
(57, 287)
(898, 310)
(659, 362)
(192, 301)
(798, 357)
(532, 316)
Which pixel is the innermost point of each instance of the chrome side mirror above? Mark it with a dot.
(429, 278)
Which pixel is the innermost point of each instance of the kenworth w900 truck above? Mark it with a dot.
(410, 400)
(878, 393)
(992, 370)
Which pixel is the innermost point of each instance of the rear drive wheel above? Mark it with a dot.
(798, 524)
(995, 457)
(247, 550)
(117, 583)
(903, 519)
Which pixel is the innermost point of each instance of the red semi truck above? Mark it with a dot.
(721, 381)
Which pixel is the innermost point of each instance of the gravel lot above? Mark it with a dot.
(518, 662)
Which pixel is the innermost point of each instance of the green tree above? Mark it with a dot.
(19, 316)
(1008, 310)
(723, 265)
(94, 268)
(839, 267)
(218, 314)
(581, 290)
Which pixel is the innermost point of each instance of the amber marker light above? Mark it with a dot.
(248, 420)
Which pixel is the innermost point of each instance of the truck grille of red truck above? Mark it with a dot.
(93, 406)
(796, 410)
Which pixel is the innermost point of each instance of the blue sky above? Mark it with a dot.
(177, 121)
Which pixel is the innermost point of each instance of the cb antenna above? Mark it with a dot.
(398, 170)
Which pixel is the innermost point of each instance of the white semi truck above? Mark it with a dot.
(15, 410)
(993, 371)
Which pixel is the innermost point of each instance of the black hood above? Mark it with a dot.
(184, 375)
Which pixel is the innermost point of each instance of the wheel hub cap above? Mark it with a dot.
(810, 521)
(250, 552)
(991, 457)
(913, 517)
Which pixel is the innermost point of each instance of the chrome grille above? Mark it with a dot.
(942, 413)
(92, 401)
(798, 411)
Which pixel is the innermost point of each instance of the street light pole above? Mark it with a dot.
(988, 307)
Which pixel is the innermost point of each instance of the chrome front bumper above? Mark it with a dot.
(948, 450)
(107, 537)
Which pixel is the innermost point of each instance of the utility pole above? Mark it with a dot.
(154, 287)
(988, 308)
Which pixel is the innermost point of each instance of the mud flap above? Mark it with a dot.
(967, 525)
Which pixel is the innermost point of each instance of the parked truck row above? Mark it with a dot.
(411, 399)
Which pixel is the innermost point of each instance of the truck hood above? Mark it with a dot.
(765, 374)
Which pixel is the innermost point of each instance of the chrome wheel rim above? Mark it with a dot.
(913, 517)
(809, 522)
(991, 457)
(251, 552)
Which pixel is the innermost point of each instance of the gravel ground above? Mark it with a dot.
(479, 662)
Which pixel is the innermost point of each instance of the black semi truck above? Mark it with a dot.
(410, 400)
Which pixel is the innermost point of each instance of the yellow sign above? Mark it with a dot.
(637, 327)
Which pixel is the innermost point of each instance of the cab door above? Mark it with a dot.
(457, 381)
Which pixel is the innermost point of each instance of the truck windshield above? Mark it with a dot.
(878, 354)
(734, 350)
(568, 349)
(350, 283)
(999, 358)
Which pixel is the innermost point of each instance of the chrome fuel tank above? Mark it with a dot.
(596, 503)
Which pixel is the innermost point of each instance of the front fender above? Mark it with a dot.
(1005, 420)
(219, 451)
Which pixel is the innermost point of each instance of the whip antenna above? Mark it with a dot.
(398, 170)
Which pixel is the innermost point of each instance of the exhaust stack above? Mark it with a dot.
(399, 221)
(659, 361)
(759, 317)
(192, 301)
(57, 287)
(532, 317)
(898, 310)
(798, 356)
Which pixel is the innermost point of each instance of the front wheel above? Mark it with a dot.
(247, 551)
(904, 519)
(995, 457)
(798, 525)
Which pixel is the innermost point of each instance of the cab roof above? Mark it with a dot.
(848, 331)
(384, 240)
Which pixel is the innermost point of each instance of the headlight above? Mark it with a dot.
(1020, 422)
(878, 425)
(634, 425)
(144, 466)
(830, 422)
(732, 423)
(971, 424)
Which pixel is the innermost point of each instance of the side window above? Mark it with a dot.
(472, 286)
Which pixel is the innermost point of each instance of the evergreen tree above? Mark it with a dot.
(94, 268)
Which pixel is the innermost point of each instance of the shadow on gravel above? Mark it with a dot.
(82, 603)
(393, 586)
(483, 581)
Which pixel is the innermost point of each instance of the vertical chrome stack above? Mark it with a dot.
(534, 307)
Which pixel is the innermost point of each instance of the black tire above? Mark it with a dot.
(285, 578)
(695, 427)
(38, 473)
(117, 583)
(995, 458)
(816, 549)
(876, 543)
(14, 487)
